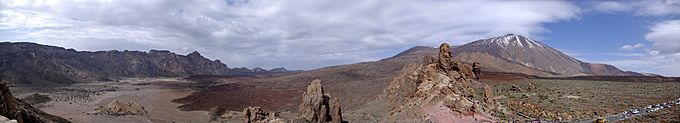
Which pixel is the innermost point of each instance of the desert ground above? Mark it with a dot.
(526, 99)
(75, 102)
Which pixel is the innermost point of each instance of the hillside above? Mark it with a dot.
(31, 63)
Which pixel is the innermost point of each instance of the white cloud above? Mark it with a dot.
(640, 7)
(665, 36)
(663, 57)
(658, 7)
(632, 47)
(653, 52)
(667, 65)
(611, 6)
(298, 34)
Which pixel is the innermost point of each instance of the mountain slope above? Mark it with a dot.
(355, 84)
(31, 63)
(516, 53)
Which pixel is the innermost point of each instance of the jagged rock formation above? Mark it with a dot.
(437, 92)
(12, 108)
(257, 115)
(30, 63)
(317, 107)
(118, 108)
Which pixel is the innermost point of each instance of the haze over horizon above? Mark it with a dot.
(642, 36)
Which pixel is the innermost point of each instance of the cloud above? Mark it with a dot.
(667, 65)
(632, 47)
(639, 7)
(665, 36)
(611, 6)
(664, 55)
(297, 34)
(658, 7)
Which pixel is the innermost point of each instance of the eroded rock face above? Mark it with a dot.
(400, 86)
(488, 95)
(335, 111)
(312, 100)
(436, 92)
(258, 115)
(445, 61)
(317, 107)
(117, 108)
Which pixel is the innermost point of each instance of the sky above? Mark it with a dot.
(641, 36)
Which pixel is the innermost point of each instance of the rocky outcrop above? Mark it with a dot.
(531, 87)
(516, 88)
(118, 108)
(18, 110)
(402, 85)
(437, 92)
(488, 95)
(445, 57)
(317, 107)
(258, 115)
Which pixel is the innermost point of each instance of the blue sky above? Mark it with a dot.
(600, 36)
(300, 34)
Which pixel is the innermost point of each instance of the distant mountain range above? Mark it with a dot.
(31, 63)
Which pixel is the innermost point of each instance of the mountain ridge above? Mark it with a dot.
(32, 63)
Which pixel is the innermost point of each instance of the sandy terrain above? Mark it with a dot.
(155, 94)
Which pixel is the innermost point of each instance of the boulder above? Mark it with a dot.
(258, 115)
(516, 88)
(531, 87)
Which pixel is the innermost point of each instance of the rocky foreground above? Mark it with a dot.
(12, 109)
(438, 90)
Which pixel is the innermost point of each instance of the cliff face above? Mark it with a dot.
(21, 111)
(30, 63)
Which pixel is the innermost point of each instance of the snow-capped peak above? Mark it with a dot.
(512, 40)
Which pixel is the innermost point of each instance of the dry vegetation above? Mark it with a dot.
(569, 100)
